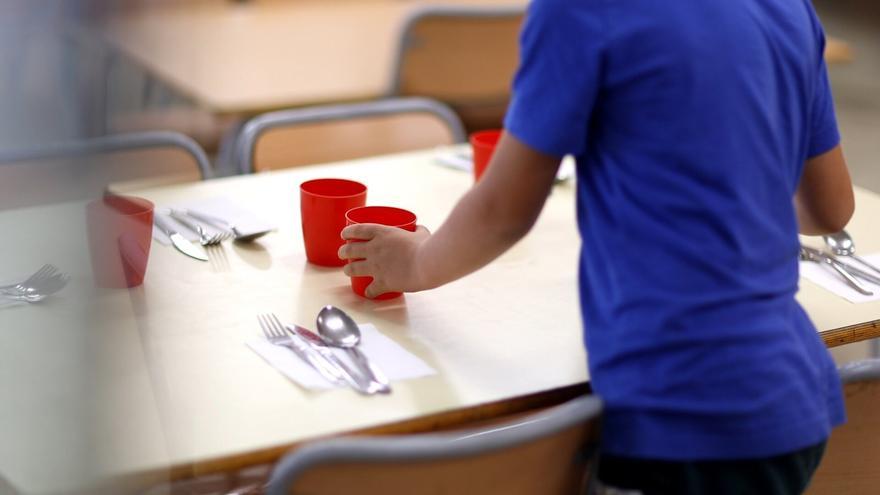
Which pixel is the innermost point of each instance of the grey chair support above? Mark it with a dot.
(406, 37)
(111, 143)
(245, 141)
(433, 447)
(860, 371)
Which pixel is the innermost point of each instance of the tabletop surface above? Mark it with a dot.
(160, 376)
(259, 55)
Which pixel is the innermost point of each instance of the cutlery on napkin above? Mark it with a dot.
(397, 362)
(245, 221)
(829, 280)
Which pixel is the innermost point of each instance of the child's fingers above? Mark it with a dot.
(361, 231)
(375, 289)
(357, 269)
(355, 250)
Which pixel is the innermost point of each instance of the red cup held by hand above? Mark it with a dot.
(120, 230)
(383, 215)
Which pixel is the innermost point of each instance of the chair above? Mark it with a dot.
(838, 51)
(850, 464)
(73, 170)
(203, 126)
(549, 452)
(305, 136)
(465, 57)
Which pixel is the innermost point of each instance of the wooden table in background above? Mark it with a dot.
(157, 381)
(244, 58)
(237, 58)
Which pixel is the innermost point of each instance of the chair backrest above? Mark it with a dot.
(73, 170)
(550, 452)
(463, 56)
(850, 464)
(305, 136)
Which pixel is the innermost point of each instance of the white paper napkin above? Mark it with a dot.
(462, 159)
(828, 279)
(395, 361)
(244, 221)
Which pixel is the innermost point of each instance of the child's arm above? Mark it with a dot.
(824, 198)
(496, 213)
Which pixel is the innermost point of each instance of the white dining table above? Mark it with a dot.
(131, 386)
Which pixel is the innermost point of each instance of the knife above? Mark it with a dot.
(357, 381)
(853, 270)
(184, 246)
(811, 254)
(307, 354)
(858, 272)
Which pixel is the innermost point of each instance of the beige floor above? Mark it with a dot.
(857, 95)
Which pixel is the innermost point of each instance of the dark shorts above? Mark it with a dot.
(787, 474)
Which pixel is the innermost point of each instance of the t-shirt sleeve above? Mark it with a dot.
(555, 87)
(824, 134)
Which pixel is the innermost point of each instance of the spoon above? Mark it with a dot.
(223, 224)
(339, 330)
(842, 244)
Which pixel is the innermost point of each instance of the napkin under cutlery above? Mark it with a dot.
(831, 281)
(394, 360)
(245, 221)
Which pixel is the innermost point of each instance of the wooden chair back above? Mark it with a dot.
(76, 170)
(293, 138)
(464, 57)
(550, 453)
(851, 464)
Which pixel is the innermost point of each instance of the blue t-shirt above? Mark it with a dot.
(691, 122)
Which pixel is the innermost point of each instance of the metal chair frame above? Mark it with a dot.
(108, 144)
(436, 446)
(860, 371)
(246, 140)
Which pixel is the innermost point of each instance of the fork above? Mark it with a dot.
(42, 286)
(38, 292)
(44, 272)
(204, 238)
(48, 286)
(273, 329)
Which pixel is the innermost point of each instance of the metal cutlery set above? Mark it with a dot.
(843, 248)
(197, 222)
(42, 284)
(337, 330)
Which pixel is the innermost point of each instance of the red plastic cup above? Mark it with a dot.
(384, 215)
(323, 203)
(120, 232)
(483, 145)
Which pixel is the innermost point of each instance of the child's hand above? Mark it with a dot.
(388, 254)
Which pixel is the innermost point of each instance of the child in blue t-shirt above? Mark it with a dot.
(705, 140)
